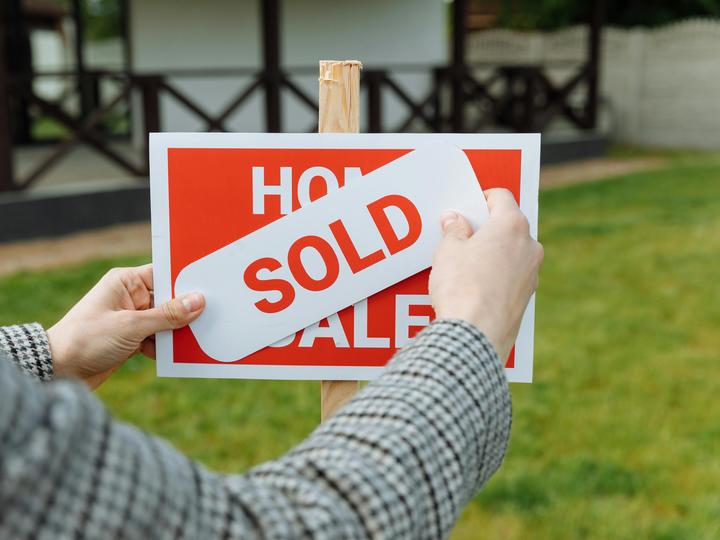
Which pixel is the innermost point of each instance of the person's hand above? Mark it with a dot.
(113, 321)
(487, 278)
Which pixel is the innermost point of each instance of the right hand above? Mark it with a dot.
(487, 278)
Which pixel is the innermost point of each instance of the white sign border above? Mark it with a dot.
(528, 143)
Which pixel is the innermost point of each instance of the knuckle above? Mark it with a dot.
(134, 284)
(171, 313)
(453, 228)
(519, 223)
(115, 273)
(539, 253)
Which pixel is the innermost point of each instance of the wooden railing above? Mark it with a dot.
(516, 98)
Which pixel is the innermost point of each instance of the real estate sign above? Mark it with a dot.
(313, 250)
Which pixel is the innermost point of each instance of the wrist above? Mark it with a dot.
(496, 337)
(490, 329)
(61, 352)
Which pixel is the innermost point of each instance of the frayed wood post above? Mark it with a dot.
(339, 112)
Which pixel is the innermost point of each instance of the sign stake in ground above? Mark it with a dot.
(339, 112)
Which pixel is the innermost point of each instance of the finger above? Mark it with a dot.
(136, 288)
(145, 272)
(176, 313)
(454, 225)
(500, 200)
(147, 347)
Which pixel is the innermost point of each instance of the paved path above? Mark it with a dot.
(134, 239)
(590, 170)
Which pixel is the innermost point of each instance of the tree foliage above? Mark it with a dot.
(102, 19)
(552, 14)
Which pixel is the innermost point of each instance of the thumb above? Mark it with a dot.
(454, 225)
(173, 314)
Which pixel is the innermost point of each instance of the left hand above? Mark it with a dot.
(114, 321)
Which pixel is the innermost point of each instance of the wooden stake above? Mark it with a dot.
(339, 112)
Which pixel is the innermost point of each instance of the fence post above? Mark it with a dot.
(272, 75)
(373, 82)
(459, 67)
(7, 182)
(528, 122)
(18, 66)
(150, 91)
(440, 78)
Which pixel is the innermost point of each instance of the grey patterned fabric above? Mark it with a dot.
(27, 345)
(399, 461)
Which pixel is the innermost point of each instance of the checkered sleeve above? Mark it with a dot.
(403, 458)
(399, 461)
(27, 346)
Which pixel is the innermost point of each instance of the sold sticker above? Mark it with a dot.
(312, 250)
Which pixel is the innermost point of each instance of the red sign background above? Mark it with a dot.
(210, 196)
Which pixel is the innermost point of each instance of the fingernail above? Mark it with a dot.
(448, 217)
(192, 302)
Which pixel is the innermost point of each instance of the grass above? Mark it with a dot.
(45, 128)
(619, 437)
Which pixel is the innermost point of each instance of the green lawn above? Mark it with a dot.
(619, 437)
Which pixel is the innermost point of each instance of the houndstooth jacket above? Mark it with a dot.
(399, 461)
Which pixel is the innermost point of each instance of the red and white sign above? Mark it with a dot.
(312, 250)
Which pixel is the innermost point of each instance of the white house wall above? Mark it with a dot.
(169, 35)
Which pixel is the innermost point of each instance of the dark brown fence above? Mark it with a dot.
(513, 98)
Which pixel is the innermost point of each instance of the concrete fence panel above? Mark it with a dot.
(661, 86)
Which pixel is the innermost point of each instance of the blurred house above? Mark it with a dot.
(224, 65)
(211, 49)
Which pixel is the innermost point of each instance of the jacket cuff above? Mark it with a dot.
(28, 347)
(462, 331)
